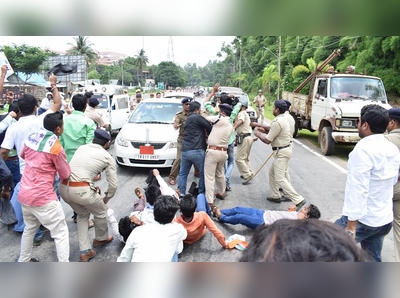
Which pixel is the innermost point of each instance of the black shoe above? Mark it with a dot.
(228, 188)
(300, 205)
(285, 199)
(274, 200)
(247, 180)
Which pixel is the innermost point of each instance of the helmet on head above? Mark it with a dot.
(259, 91)
(244, 103)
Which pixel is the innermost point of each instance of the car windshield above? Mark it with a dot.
(357, 88)
(102, 101)
(155, 112)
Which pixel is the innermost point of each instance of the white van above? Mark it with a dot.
(114, 104)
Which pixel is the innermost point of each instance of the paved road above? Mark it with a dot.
(321, 181)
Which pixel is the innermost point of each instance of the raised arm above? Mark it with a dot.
(2, 77)
(56, 95)
(215, 90)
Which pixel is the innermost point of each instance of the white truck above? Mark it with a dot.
(114, 104)
(334, 104)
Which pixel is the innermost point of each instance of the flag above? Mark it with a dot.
(63, 69)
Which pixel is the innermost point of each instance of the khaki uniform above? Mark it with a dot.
(280, 136)
(214, 174)
(260, 102)
(394, 137)
(88, 161)
(91, 113)
(243, 149)
(180, 119)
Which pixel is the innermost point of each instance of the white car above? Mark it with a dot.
(149, 139)
(238, 92)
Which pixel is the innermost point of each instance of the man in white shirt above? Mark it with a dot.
(158, 242)
(373, 170)
(18, 132)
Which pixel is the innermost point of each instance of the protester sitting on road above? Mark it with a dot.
(303, 241)
(252, 218)
(158, 242)
(122, 229)
(196, 223)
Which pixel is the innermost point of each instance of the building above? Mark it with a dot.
(110, 58)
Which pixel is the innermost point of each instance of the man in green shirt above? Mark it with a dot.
(235, 112)
(78, 129)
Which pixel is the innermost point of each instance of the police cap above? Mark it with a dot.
(102, 134)
(94, 101)
(281, 104)
(394, 112)
(186, 99)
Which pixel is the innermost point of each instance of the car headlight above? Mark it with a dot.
(173, 144)
(122, 142)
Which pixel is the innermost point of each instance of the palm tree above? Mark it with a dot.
(269, 75)
(141, 61)
(84, 47)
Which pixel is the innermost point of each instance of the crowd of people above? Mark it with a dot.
(51, 157)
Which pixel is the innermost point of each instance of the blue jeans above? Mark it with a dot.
(231, 163)
(370, 238)
(202, 204)
(249, 217)
(189, 158)
(13, 166)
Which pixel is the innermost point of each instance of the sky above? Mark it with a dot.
(186, 49)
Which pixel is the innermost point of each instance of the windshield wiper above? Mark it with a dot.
(152, 122)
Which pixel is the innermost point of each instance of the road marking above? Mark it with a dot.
(321, 157)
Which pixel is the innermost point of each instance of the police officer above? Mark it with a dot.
(394, 136)
(179, 123)
(260, 101)
(216, 154)
(280, 138)
(244, 142)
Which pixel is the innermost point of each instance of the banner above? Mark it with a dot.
(4, 61)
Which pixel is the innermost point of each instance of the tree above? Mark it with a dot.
(171, 74)
(269, 75)
(93, 75)
(84, 47)
(26, 59)
(141, 61)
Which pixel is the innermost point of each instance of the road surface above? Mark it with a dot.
(318, 179)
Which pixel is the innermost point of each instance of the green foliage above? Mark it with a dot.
(93, 75)
(83, 47)
(299, 70)
(171, 74)
(27, 59)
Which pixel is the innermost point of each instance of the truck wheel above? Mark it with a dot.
(326, 141)
(296, 126)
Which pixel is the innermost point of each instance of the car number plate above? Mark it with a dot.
(147, 150)
(147, 157)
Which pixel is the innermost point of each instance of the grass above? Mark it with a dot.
(341, 150)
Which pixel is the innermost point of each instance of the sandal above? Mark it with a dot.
(91, 223)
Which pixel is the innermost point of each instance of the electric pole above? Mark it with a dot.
(279, 64)
(240, 63)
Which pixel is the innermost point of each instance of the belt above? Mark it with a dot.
(217, 148)
(75, 184)
(279, 148)
(245, 135)
(12, 158)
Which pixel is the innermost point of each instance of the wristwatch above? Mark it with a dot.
(351, 233)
